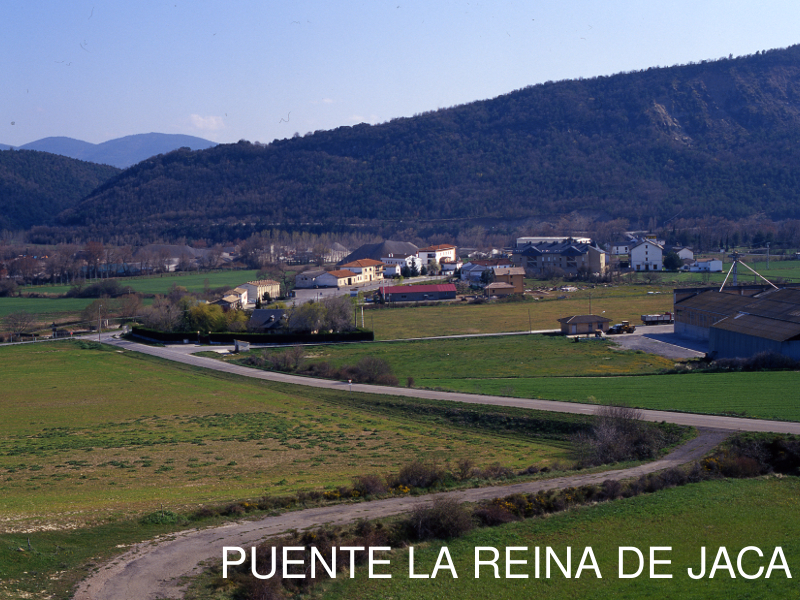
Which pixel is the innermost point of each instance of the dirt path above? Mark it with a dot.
(153, 569)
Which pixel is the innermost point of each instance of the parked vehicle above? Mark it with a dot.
(661, 319)
(624, 327)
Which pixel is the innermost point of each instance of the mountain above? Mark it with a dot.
(36, 186)
(121, 152)
(716, 138)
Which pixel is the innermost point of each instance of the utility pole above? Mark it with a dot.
(99, 307)
(767, 256)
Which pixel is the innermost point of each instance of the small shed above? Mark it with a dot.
(499, 288)
(583, 324)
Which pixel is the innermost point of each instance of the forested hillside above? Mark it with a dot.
(716, 138)
(36, 186)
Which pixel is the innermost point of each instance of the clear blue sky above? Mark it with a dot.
(262, 69)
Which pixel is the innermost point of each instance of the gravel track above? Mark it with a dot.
(155, 569)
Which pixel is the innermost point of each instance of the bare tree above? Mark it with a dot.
(19, 322)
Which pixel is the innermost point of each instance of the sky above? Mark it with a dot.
(262, 70)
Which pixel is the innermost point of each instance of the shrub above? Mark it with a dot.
(493, 514)
(465, 468)
(162, 517)
(445, 519)
(419, 474)
(370, 485)
(371, 369)
(618, 434)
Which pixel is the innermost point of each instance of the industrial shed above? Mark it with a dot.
(769, 323)
(418, 293)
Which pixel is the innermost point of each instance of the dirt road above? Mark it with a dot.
(154, 569)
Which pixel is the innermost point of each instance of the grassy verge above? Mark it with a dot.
(758, 512)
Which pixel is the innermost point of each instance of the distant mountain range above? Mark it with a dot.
(712, 139)
(705, 141)
(121, 152)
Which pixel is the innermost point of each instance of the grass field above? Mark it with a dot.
(46, 309)
(616, 303)
(767, 395)
(731, 513)
(553, 368)
(160, 284)
(89, 433)
(489, 358)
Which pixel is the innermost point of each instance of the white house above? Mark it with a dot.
(339, 278)
(647, 256)
(706, 265)
(403, 260)
(261, 288)
(307, 279)
(437, 253)
(622, 248)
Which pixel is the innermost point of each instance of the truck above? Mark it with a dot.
(662, 319)
(624, 327)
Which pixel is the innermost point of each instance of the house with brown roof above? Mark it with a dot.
(513, 277)
(583, 324)
(369, 269)
(339, 278)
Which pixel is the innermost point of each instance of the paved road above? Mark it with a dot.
(181, 354)
(152, 569)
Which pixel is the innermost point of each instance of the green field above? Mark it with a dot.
(763, 395)
(732, 513)
(616, 303)
(554, 368)
(160, 284)
(46, 309)
(490, 358)
(89, 433)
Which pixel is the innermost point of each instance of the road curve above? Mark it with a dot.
(155, 569)
(181, 354)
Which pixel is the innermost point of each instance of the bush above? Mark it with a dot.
(371, 369)
(619, 434)
(162, 517)
(370, 485)
(445, 519)
(418, 474)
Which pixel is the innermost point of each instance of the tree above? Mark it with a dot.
(672, 262)
(100, 310)
(338, 313)
(19, 322)
(308, 317)
(162, 315)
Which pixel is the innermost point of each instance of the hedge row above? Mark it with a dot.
(227, 337)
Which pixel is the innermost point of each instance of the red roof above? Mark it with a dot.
(406, 289)
(341, 274)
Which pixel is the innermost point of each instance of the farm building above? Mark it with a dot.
(742, 321)
(499, 288)
(418, 293)
(583, 324)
